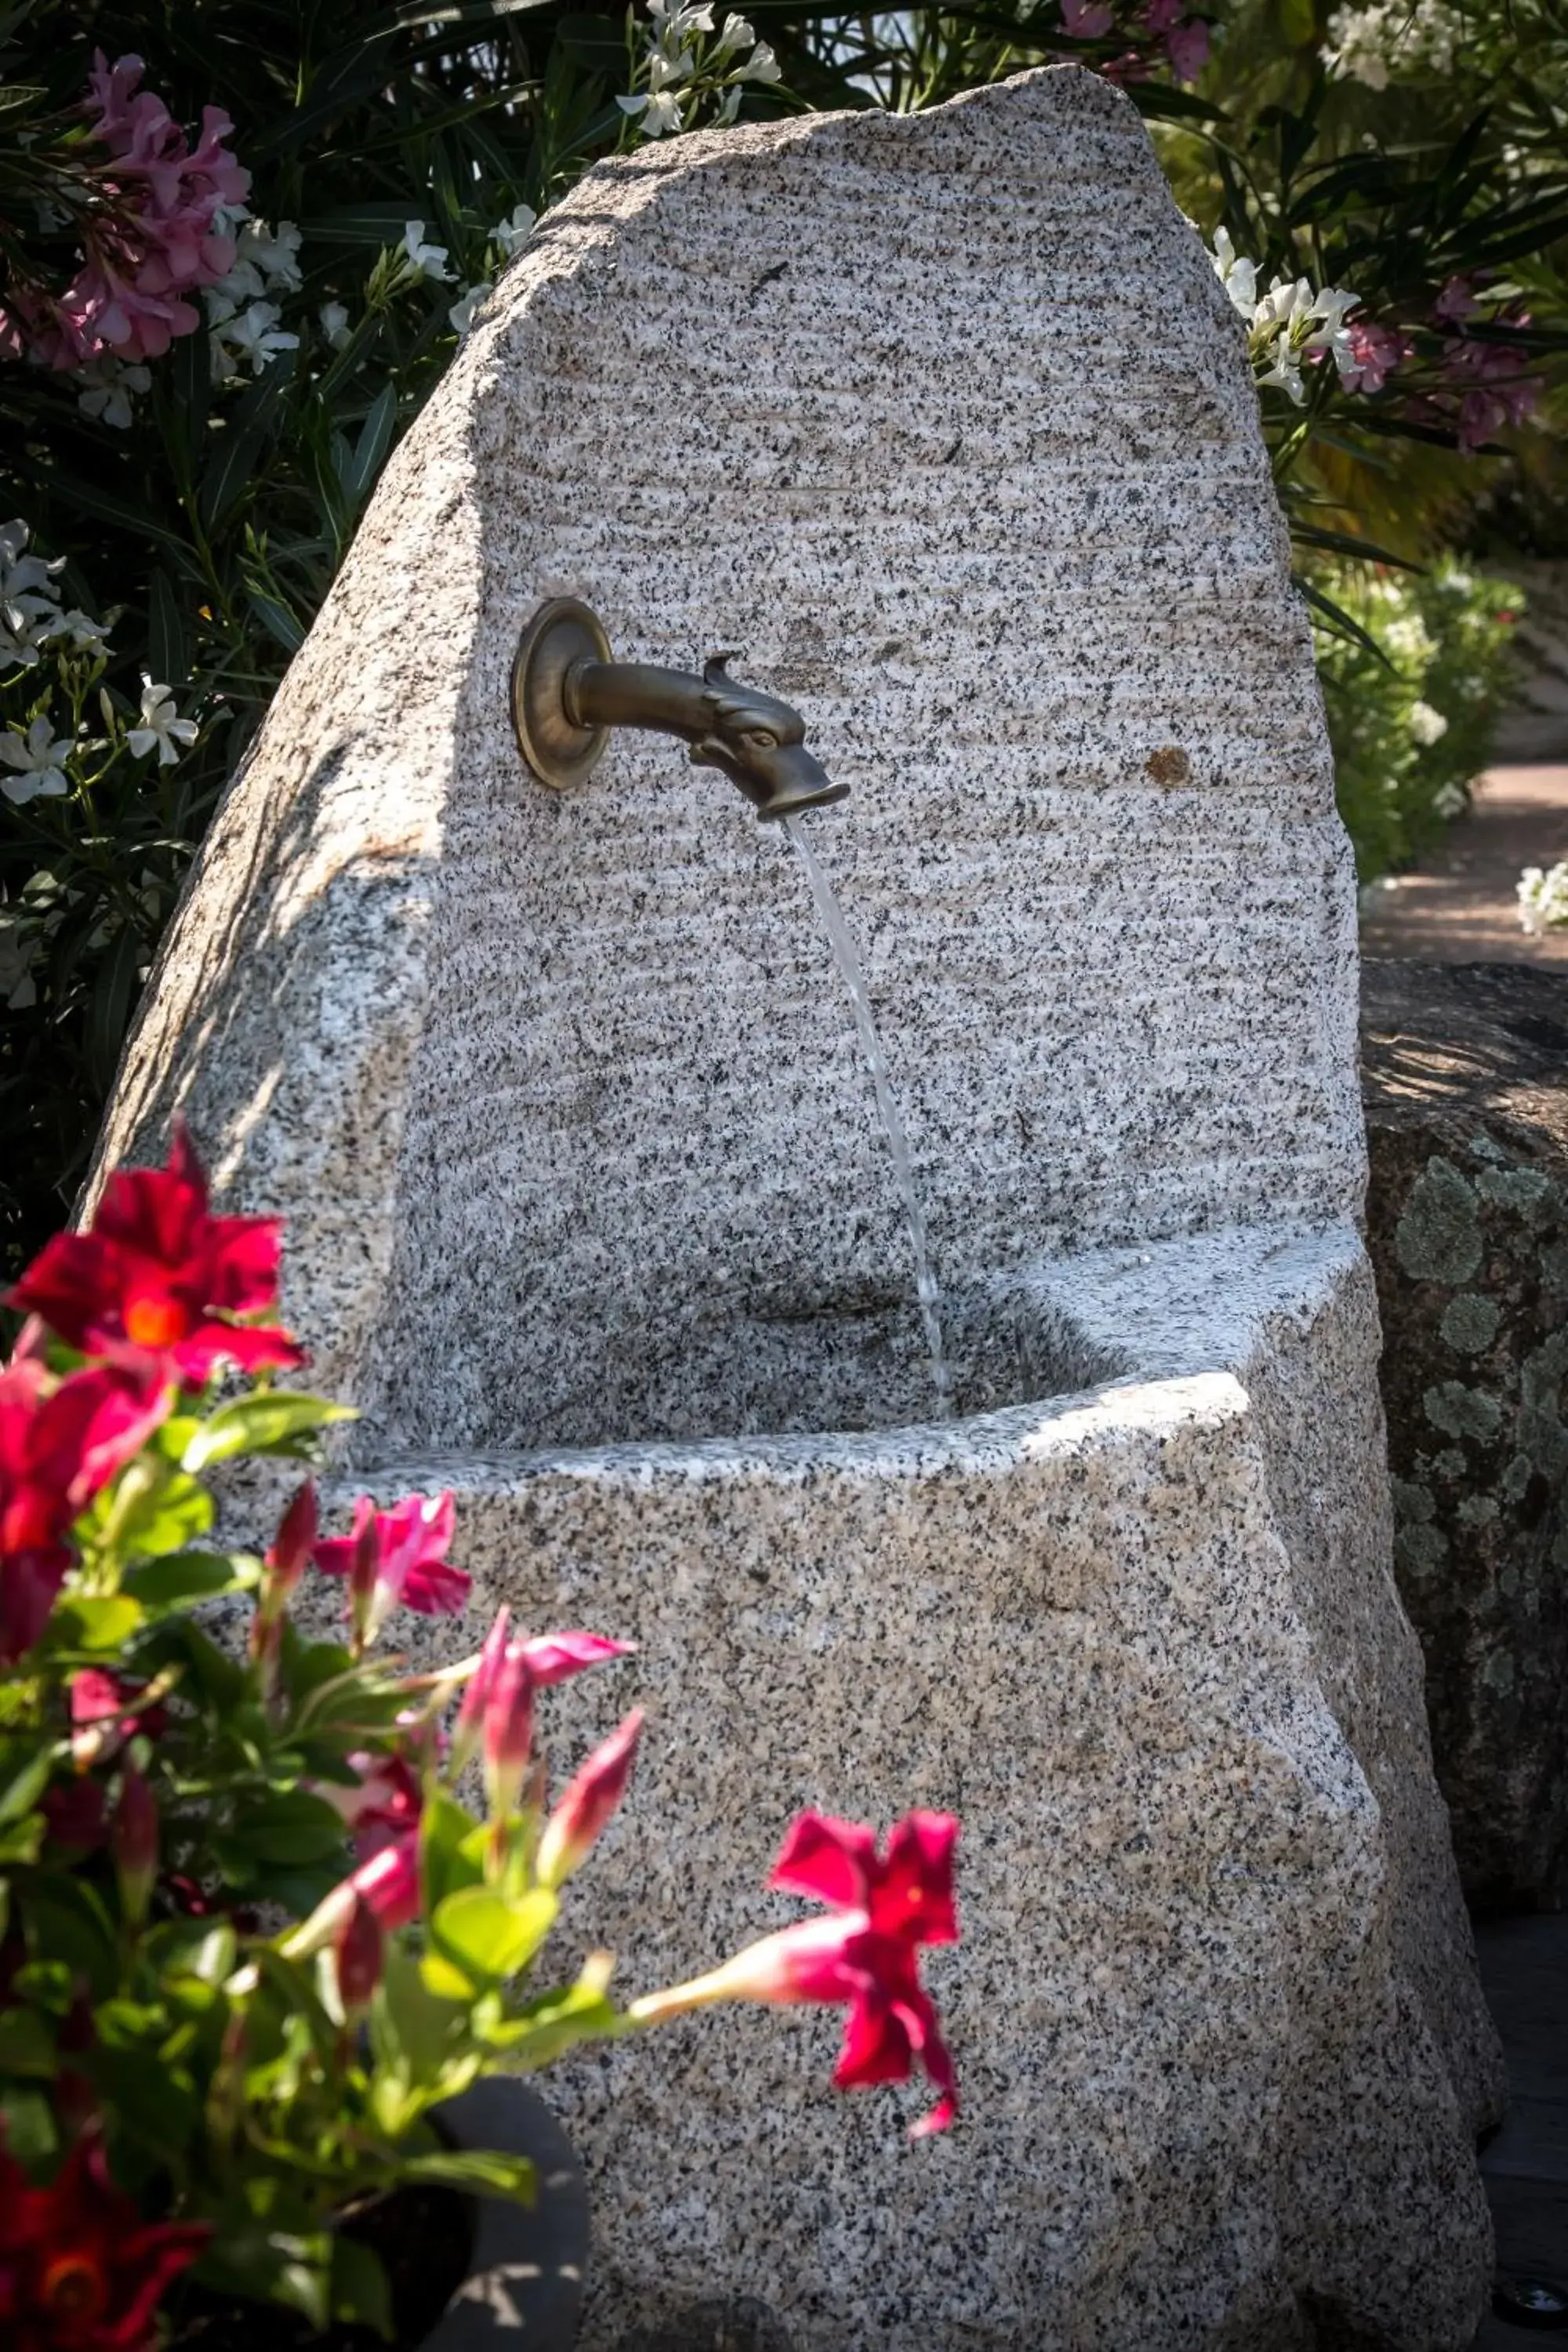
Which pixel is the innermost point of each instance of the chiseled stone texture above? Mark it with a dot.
(945, 421)
(1216, 2026)
(1465, 1072)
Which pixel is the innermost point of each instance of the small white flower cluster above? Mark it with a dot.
(1544, 899)
(244, 316)
(681, 68)
(1428, 727)
(1293, 321)
(1391, 39)
(31, 613)
(506, 238)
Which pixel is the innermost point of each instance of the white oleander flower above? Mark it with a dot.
(1543, 900)
(514, 232)
(1408, 639)
(29, 601)
(427, 260)
(161, 725)
(334, 318)
(1286, 371)
(658, 107)
(728, 108)
(735, 33)
(1287, 303)
(1391, 39)
(1236, 275)
(461, 313)
(37, 762)
(761, 66)
(674, 26)
(108, 388)
(1428, 726)
(254, 335)
(87, 636)
(275, 252)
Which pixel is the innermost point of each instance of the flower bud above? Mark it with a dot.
(509, 1730)
(468, 1729)
(361, 1953)
(590, 1798)
(291, 1551)
(133, 1842)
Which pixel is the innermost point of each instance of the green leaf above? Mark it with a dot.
(24, 1766)
(360, 2293)
(26, 2043)
(166, 648)
(97, 1622)
(544, 2029)
(236, 449)
(108, 1007)
(63, 1919)
(481, 2171)
(277, 620)
(20, 1841)
(370, 449)
(27, 2125)
(287, 1826)
(271, 1423)
(183, 1577)
(445, 1858)
(170, 1514)
(489, 1936)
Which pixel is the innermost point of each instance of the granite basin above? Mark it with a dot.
(1219, 2038)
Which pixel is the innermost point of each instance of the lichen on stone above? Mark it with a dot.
(1438, 1237)
(1459, 1411)
(1469, 1323)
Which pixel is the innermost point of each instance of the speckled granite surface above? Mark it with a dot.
(945, 421)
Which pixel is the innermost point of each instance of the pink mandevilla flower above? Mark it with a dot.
(397, 1559)
(862, 1954)
(549, 1657)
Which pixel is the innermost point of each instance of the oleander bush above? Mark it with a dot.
(1411, 710)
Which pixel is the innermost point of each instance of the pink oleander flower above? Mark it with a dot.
(397, 1560)
(1501, 392)
(158, 1273)
(157, 240)
(1086, 20)
(589, 1800)
(61, 1442)
(1187, 47)
(863, 1953)
(1374, 352)
(1456, 303)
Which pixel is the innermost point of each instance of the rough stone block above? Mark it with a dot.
(947, 422)
(1465, 1077)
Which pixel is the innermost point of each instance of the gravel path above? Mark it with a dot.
(1459, 905)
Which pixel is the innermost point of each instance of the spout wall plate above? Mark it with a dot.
(560, 751)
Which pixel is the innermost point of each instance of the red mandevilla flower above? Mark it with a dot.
(863, 1953)
(61, 1443)
(157, 1272)
(549, 1657)
(134, 1843)
(397, 1559)
(79, 2267)
(361, 1956)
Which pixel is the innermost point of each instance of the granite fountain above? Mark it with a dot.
(943, 421)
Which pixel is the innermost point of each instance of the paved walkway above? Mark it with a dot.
(1524, 1970)
(1458, 906)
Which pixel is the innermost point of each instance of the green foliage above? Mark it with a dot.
(1411, 712)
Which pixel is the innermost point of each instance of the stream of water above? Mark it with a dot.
(848, 962)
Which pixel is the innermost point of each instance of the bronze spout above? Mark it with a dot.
(567, 693)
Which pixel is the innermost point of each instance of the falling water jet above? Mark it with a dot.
(848, 962)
